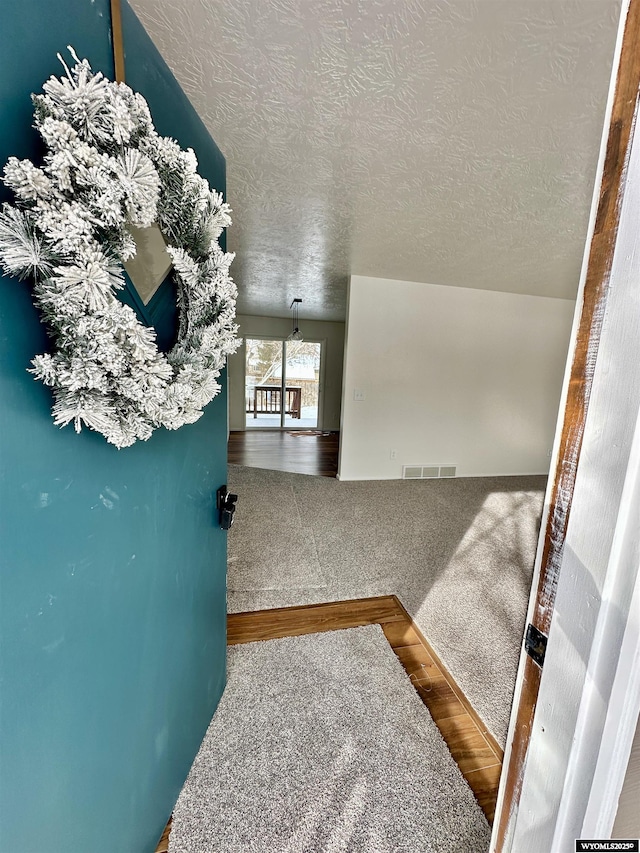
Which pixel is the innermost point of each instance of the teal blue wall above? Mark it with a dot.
(112, 577)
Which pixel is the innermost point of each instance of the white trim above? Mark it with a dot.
(624, 700)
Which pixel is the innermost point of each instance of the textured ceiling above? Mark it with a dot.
(446, 141)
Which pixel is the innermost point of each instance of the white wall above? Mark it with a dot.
(450, 375)
(276, 327)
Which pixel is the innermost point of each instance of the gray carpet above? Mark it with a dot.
(321, 745)
(458, 553)
(276, 556)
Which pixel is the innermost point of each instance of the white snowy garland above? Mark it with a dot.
(106, 168)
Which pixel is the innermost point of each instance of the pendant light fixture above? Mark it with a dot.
(296, 334)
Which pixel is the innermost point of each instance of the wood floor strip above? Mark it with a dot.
(484, 784)
(311, 619)
(475, 750)
(469, 749)
(400, 634)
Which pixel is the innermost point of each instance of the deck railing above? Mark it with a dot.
(267, 400)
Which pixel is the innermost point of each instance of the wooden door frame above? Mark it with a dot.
(592, 303)
(116, 38)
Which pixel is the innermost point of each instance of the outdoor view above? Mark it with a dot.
(267, 388)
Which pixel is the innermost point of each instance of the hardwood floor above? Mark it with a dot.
(473, 748)
(282, 451)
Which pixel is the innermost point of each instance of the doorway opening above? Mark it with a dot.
(283, 384)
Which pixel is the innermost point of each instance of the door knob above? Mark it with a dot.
(226, 506)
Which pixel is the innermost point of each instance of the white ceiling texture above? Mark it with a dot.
(452, 142)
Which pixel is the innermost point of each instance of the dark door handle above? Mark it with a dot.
(226, 506)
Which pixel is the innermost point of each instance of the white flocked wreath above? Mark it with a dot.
(105, 169)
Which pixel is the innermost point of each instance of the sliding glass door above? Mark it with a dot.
(302, 370)
(282, 384)
(263, 382)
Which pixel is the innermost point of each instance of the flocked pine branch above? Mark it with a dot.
(106, 169)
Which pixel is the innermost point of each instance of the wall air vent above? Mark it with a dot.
(427, 472)
(412, 472)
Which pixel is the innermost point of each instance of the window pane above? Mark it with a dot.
(303, 384)
(263, 391)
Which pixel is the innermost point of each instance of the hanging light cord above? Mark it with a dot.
(295, 334)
